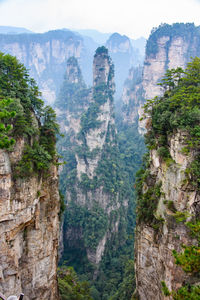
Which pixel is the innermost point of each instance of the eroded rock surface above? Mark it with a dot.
(29, 229)
(154, 261)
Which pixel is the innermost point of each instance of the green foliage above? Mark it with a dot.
(30, 119)
(163, 152)
(108, 169)
(189, 260)
(93, 223)
(35, 159)
(96, 224)
(131, 148)
(16, 84)
(175, 30)
(115, 174)
(101, 94)
(101, 50)
(170, 205)
(181, 216)
(49, 130)
(147, 202)
(126, 287)
(62, 204)
(89, 119)
(193, 173)
(5, 128)
(70, 287)
(73, 94)
(187, 292)
(165, 289)
(195, 229)
(177, 109)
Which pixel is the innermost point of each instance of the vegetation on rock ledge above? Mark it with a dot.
(20, 104)
(178, 110)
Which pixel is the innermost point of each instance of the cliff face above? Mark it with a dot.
(169, 46)
(154, 261)
(168, 194)
(29, 198)
(46, 55)
(29, 231)
(132, 96)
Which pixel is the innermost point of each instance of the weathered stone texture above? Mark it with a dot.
(29, 229)
(154, 261)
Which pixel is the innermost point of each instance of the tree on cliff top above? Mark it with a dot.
(22, 114)
(5, 127)
(177, 109)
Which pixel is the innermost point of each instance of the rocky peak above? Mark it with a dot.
(73, 72)
(119, 43)
(169, 46)
(102, 67)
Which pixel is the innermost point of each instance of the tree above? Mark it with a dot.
(5, 127)
(69, 286)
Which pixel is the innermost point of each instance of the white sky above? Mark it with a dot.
(130, 17)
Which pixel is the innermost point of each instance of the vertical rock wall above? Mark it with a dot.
(29, 229)
(154, 261)
(168, 47)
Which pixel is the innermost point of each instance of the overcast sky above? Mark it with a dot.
(130, 17)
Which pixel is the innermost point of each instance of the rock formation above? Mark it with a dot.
(45, 55)
(154, 261)
(168, 195)
(29, 198)
(29, 227)
(168, 47)
(132, 96)
(90, 177)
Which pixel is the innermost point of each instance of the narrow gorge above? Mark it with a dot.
(109, 180)
(93, 179)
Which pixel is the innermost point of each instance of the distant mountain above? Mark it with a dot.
(46, 54)
(97, 36)
(13, 30)
(139, 44)
(122, 54)
(88, 51)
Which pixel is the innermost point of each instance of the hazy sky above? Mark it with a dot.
(130, 17)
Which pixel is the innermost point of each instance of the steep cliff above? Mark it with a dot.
(167, 259)
(29, 198)
(46, 55)
(132, 96)
(168, 46)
